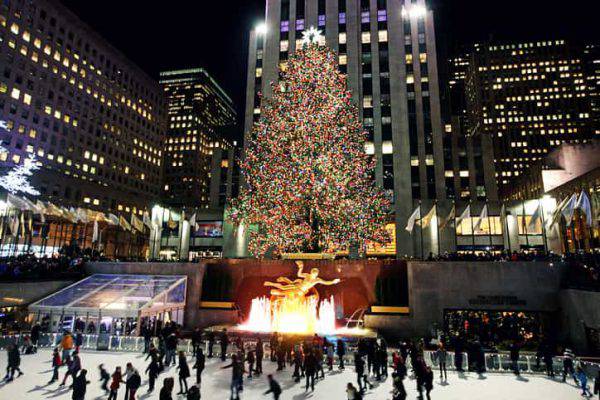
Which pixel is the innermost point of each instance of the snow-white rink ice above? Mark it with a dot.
(215, 382)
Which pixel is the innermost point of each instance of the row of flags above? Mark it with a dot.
(566, 208)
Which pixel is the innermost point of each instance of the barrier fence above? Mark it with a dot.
(494, 362)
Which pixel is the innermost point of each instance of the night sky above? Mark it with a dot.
(214, 34)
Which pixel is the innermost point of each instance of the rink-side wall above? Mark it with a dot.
(580, 311)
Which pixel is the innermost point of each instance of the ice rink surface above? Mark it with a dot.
(215, 382)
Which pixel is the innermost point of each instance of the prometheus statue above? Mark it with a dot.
(299, 288)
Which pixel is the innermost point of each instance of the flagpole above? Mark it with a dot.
(472, 228)
(421, 225)
(489, 225)
(505, 216)
(525, 224)
(455, 228)
(544, 235)
(437, 225)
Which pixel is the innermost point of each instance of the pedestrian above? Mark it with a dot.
(428, 382)
(14, 362)
(171, 348)
(352, 393)
(73, 368)
(104, 377)
(515, 348)
(133, 384)
(196, 341)
(237, 375)
(224, 342)
(341, 352)
(66, 343)
(361, 376)
(35, 335)
(210, 335)
(184, 373)
(80, 385)
(117, 379)
(274, 387)
(310, 369)
(569, 365)
(260, 353)
(442, 356)
(250, 359)
(56, 363)
(193, 393)
(78, 340)
(152, 370)
(167, 389)
(298, 361)
(128, 373)
(585, 391)
(199, 366)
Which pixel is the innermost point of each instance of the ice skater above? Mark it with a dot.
(104, 378)
(184, 373)
(80, 385)
(56, 363)
(14, 362)
(117, 379)
(199, 366)
(274, 387)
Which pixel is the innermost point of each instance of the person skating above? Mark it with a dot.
(428, 382)
(260, 353)
(382, 358)
(399, 392)
(310, 369)
(167, 389)
(352, 393)
(597, 385)
(250, 359)
(274, 387)
(210, 336)
(548, 356)
(78, 340)
(193, 393)
(14, 362)
(196, 341)
(515, 348)
(442, 356)
(273, 345)
(361, 376)
(73, 368)
(104, 378)
(319, 358)
(224, 342)
(280, 357)
(35, 335)
(171, 348)
(184, 373)
(128, 373)
(341, 352)
(56, 363)
(133, 383)
(297, 361)
(199, 366)
(66, 344)
(117, 379)
(569, 365)
(237, 376)
(152, 370)
(80, 385)
(330, 356)
(583, 380)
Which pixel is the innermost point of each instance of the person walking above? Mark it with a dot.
(199, 366)
(184, 373)
(274, 387)
(133, 384)
(237, 375)
(224, 342)
(167, 389)
(117, 379)
(341, 352)
(152, 370)
(260, 353)
(80, 385)
(515, 348)
(104, 378)
(442, 356)
(128, 373)
(56, 363)
(73, 368)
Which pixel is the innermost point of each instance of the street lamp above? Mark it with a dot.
(261, 29)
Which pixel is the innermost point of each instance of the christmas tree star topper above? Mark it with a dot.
(311, 36)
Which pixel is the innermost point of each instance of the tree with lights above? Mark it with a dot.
(17, 179)
(309, 182)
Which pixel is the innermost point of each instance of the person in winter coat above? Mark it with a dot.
(193, 393)
(250, 359)
(569, 365)
(341, 352)
(66, 344)
(78, 340)
(80, 385)
(428, 382)
(224, 341)
(260, 353)
(133, 383)
(361, 376)
(56, 363)
(14, 362)
(171, 349)
(117, 379)
(597, 385)
(330, 355)
(152, 370)
(399, 392)
(104, 378)
(196, 341)
(128, 373)
(352, 393)
(442, 356)
(35, 335)
(515, 349)
(73, 368)
(274, 387)
(167, 389)
(184, 373)
(310, 369)
(199, 366)
(237, 375)
(582, 377)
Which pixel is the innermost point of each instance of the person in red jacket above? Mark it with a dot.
(117, 379)
(56, 363)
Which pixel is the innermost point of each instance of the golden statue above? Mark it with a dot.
(299, 288)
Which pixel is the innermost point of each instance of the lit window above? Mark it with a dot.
(14, 28)
(27, 99)
(365, 37)
(15, 93)
(387, 147)
(342, 38)
(383, 36)
(343, 59)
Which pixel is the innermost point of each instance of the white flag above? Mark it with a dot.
(465, 214)
(583, 203)
(482, 216)
(193, 223)
(569, 208)
(536, 215)
(557, 212)
(95, 232)
(413, 218)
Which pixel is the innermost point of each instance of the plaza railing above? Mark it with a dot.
(494, 362)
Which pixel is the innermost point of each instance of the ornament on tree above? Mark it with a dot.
(309, 182)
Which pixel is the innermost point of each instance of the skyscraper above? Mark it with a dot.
(387, 48)
(198, 109)
(526, 99)
(93, 119)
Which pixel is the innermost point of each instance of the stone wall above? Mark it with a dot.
(579, 309)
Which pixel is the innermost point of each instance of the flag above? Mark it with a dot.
(557, 212)
(449, 218)
(124, 224)
(20, 203)
(569, 208)
(583, 203)
(465, 214)
(14, 224)
(81, 215)
(426, 220)
(95, 232)
(41, 208)
(536, 215)
(113, 219)
(595, 197)
(22, 223)
(146, 220)
(416, 215)
(482, 216)
(137, 223)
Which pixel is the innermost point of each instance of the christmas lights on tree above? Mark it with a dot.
(309, 182)
(17, 179)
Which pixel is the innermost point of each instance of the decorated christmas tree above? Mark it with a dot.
(309, 184)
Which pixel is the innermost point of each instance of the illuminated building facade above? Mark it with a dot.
(387, 48)
(525, 99)
(92, 118)
(198, 109)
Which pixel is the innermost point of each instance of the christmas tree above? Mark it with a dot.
(309, 182)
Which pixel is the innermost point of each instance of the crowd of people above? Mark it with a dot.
(30, 267)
